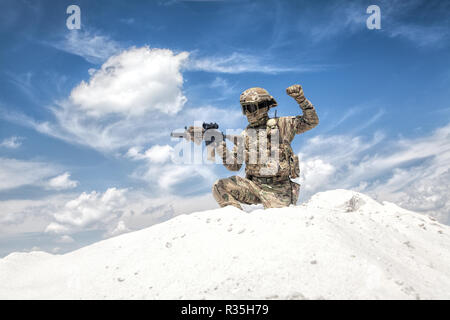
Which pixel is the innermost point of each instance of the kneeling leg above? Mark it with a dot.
(233, 191)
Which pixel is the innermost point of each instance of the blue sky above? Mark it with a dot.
(85, 115)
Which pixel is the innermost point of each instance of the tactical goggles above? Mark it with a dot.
(251, 107)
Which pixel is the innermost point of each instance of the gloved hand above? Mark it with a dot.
(296, 92)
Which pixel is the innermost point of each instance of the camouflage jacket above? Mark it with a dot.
(283, 163)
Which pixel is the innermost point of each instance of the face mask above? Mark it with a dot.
(259, 116)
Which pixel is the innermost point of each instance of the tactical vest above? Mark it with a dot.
(287, 164)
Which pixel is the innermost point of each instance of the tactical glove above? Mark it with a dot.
(296, 92)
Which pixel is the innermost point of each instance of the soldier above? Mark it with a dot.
(269, 181)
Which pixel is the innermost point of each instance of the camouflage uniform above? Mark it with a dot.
(269, 182)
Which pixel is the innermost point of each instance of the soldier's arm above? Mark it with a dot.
(230, 158)
(309, 119)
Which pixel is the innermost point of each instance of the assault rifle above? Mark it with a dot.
(208, 132)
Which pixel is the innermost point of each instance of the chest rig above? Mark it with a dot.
(268, 152)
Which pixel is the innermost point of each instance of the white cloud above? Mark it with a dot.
(113, 212)
(123, 132)
(156, 154)
(56, 250)
(431, 34)
(149, 209)
(240, 63)
(11, 143)
(97, 48)
(223, 86)
(29, 216)
(410, 172)
(135, 82)
(160, 168)
(421, 35)
(17, 173)
(94, 48)
(62, 214)
(56, 228)
(65, 239)
(341, 19)
(220, 82)
(316, 173)
(116, 211)
(92, 208)
(23, 81)
(127, 102)
(61, 182)
(175, 174)
(119, 229)
(345, 19)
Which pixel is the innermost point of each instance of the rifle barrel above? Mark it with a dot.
(177, 134)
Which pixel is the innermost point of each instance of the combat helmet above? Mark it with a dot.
(255, 98)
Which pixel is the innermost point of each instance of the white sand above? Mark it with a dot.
(339, 245)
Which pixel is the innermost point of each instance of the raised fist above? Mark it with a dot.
(295, 91)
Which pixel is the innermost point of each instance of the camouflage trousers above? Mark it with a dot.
(235, 190)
